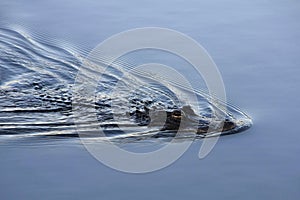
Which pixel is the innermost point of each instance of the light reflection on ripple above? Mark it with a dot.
(36, 95)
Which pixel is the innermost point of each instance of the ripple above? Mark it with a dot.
(36, 98)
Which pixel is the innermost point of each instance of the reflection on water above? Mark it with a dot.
(254, 43)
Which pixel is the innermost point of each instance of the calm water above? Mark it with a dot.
(255, 45)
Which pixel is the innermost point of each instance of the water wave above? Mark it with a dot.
(36, 97)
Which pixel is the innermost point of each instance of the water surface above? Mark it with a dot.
(255, 45)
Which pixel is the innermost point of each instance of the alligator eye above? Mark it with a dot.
(176, 114)
(228, 125)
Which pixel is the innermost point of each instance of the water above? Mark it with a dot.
(255, 46)
(37, 95)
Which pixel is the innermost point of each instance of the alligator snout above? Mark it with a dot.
(183, 118)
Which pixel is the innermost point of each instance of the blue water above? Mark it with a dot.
(255, 45)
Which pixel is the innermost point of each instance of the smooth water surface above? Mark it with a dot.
(255, 45)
